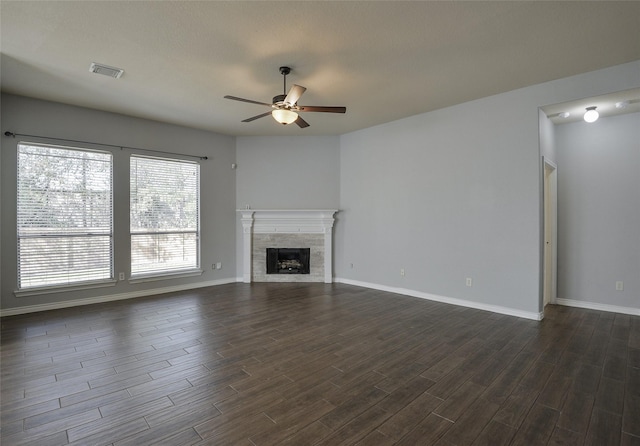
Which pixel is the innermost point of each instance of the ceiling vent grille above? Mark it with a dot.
(106, 70)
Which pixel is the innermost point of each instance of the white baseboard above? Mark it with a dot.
(405, 291)
(597, 306)
(110, 297)
(447, 300)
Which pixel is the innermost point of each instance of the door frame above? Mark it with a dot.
(550, 232)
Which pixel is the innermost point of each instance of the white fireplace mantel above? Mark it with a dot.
(287, 221)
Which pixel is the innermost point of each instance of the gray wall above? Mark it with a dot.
(288, 172)
(456, 193)
(445, 195)
(599, 210)
(35, 117)
(296, 172)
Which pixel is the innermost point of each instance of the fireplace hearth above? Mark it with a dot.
(288, 260)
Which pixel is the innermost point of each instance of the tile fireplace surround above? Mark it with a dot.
(262, 229)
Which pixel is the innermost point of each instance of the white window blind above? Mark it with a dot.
(65, 227)
(164, 203)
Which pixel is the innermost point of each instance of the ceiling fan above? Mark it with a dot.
(285, 106)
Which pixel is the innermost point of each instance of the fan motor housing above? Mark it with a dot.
(278, 100)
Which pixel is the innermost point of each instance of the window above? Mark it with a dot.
(65, 225)
(164, 218)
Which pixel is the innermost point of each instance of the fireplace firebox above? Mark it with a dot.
(288, 260)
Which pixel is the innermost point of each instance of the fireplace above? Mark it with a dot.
(287, 230)
(288, 260)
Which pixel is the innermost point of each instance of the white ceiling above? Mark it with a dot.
(383, 60)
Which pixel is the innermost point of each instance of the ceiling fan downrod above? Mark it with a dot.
(284, 71)
(278, 100)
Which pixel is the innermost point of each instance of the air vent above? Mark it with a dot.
(106, 70)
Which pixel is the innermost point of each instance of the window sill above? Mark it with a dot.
(63, 288)
(165, 276)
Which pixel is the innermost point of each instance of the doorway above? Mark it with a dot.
(550, 250)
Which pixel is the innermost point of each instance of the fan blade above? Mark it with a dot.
(294, 94)
(234, 98)
(301, 122)
(256, 117)
(316, 108)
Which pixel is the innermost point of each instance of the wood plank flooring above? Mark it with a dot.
(316, 364)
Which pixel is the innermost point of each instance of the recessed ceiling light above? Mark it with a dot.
(106, 70)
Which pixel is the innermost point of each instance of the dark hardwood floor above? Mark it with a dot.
(316, 364)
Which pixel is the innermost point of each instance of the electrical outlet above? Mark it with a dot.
(219, 265)
(121, 276)
(469, 281)
(620, 285)
(402, 272)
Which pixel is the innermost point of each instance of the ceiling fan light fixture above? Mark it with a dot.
(284, 116)
(591, 115)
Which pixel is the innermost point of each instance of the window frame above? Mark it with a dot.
(62, 286)
(162, 274)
